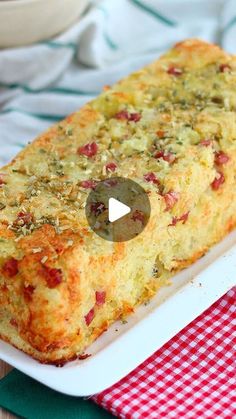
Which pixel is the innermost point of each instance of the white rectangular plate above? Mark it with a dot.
(124, 346)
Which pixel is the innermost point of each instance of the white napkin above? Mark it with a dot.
(41, 84)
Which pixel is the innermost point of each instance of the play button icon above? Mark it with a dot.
(117, 209)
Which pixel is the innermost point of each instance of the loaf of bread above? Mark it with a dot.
(171, 127)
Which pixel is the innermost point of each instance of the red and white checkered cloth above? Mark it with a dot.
(191, 376)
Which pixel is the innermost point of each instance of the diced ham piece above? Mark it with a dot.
(206, 142)
(23, 219)
(89, 317)
(88, 150)
(138, 216)
(169, 157)
(28, 293)
(97, 208)
(175, 71)
(170, 199)
(111, 167)
(53, 276)
(224, 68)
(151, 177)
(88, 184)
(218, 181)
(173, 222)
(135, 117)
(125, 115)
(100, 297)
(221, 158)
(111, 182)
(182, 218)
(10, 268)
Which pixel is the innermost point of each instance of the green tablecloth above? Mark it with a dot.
(26, 398)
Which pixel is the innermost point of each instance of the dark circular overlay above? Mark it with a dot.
(128, 193)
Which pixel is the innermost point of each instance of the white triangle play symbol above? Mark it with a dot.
(116, 210)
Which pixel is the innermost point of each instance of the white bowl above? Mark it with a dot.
(23, 22)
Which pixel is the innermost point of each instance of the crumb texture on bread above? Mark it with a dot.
(171, 127)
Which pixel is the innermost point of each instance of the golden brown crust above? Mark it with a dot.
(60, 285)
